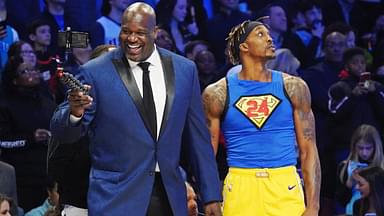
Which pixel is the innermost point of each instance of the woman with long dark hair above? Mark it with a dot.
(370, 183)
(177, 17)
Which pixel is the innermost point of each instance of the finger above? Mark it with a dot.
(77, 91)
(88, 87)
(77, 103)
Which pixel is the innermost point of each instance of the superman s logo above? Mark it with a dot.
(257, 108)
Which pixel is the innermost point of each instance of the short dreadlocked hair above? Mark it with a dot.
(237, 36)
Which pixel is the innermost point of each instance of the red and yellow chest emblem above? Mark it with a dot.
(257, 108)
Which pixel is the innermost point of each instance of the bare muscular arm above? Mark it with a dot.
(305, 133)
(214, 101)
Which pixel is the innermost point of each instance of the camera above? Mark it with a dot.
(364, 79)
(72, 39)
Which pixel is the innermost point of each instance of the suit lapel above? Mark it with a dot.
(169, 76)
(122, 67)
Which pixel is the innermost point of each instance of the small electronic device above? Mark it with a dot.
(364, 78)
(72, 39)
(352, 165)
(70, 81)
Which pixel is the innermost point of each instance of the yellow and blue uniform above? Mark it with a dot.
(259, 130)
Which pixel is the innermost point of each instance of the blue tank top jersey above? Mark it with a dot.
(258, 126)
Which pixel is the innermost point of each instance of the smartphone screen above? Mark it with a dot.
(76, 39)
(352, 165)
(364, 77)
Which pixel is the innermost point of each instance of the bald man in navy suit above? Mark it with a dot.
(143, 102)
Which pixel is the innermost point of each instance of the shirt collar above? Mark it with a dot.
(153, 59)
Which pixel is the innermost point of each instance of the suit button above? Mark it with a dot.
(151, 173)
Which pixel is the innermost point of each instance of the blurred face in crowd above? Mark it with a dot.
(259, 43)
(206, 62)
(298, 20)
(5, 209)
(42, 35)
(180, 10)
(334, 47)
(2, 5)
(362, 186)
(164, 40)
(365, 150)
(28, 75)
(28, 54)
(380, 22)
(120, 4)
(350, 39)
(230, 4)
(54, 196)
(198, 48)
(138, 33)
(356, 65)
(277, 19)
(313, 14)
(380, 71)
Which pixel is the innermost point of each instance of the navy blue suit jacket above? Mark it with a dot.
(123, 151)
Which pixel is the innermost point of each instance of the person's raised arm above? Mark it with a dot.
(214, 97)
(304, 120)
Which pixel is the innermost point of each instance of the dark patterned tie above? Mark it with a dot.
(149, 103)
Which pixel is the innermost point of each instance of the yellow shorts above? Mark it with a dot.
(263, 192)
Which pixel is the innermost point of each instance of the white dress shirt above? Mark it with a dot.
(156, 76)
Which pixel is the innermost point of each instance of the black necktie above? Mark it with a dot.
(149, 103)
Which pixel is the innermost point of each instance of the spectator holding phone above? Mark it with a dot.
(366, 151)
(306, 42)
(370, 184)
(354, 100)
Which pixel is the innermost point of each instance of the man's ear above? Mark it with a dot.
(157, 29)
(243, 47)
(32, 37)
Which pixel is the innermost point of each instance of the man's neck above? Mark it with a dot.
(40, 48)
(115, 15)
(56, 9)
(256, 71)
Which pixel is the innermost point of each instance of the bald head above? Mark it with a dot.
(335, 43)
(138, 11)
(138, 31)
